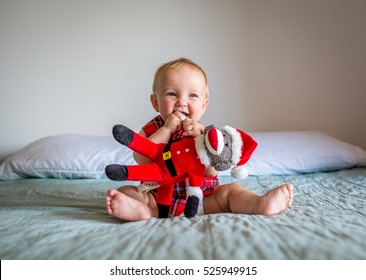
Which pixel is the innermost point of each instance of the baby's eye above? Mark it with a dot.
(193, 95)
(171, 93)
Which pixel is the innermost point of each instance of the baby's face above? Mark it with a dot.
(183, 89)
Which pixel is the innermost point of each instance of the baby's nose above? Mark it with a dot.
(183, 99)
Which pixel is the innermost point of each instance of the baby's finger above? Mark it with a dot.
(181, 115)
(187, 126)
(189, 131)
(188, 123)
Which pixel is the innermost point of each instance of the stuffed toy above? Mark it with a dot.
(171, 163)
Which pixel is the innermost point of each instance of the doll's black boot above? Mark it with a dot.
(116, 172)
(191, 207)
(122, 134)
(163, 210)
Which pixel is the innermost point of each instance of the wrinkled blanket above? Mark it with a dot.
(66, 219)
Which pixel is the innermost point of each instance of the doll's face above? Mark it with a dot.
(183, 89)
(223, 161)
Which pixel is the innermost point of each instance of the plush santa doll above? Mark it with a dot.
(171, 163)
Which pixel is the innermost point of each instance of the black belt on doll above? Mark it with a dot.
(167, 157)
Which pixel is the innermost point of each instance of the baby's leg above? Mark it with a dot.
(234, 198)
(128, 204)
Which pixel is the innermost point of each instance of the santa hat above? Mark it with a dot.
(243, 146)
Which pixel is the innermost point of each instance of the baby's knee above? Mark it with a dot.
(235, 185)
(228, 190)
(230, 187)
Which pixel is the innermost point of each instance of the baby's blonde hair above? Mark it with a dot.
(160, 72)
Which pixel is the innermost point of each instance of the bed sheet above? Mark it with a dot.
(66, 219)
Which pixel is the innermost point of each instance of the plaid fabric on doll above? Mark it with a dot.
(179, 193)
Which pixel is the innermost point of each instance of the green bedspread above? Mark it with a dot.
(66, 219)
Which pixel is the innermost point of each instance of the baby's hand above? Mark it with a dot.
(211, 171)
(192, 128)
(174, 122)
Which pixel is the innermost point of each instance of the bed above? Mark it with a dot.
(52, 205)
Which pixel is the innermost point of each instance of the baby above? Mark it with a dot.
(180, 96)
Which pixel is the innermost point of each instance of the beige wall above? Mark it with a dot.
(82, 66)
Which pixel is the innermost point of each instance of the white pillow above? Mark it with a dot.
(68, 156)
(296, 152)
(82, 156)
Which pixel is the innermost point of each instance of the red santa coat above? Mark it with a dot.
(171, 163)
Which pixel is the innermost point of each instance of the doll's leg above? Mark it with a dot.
(123, 134)
(135, 141)
(143, 172)
(163, 199)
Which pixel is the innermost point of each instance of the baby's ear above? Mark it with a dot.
(154, 102)
(207, 128)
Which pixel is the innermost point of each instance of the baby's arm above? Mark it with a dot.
(162, 135)
(172, 124)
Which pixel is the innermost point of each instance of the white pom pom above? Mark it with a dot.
(240, 172)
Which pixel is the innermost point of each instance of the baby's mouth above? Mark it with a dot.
(185, 114)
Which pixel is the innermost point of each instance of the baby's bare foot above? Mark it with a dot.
(125, 207)
(277, 200)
